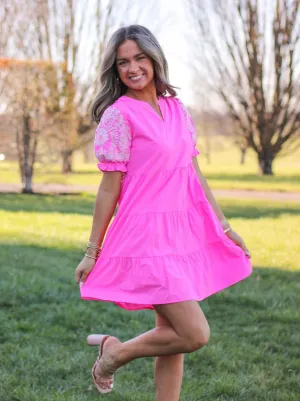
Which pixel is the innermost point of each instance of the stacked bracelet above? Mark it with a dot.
(94, 246)
(227, 229)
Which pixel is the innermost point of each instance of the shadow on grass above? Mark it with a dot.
(42, 203)
(29, 274)
(84, 204)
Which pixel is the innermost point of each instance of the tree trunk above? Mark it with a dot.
(27, 184)
(27, 171)
(67, 161)
(243, 155)
(265, 163)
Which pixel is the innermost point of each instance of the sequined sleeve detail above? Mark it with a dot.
(191, 127)
(113, 141)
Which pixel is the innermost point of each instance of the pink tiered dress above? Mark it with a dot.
(165, 243)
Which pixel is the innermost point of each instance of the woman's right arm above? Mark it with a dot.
(112, 148)
(105, 205)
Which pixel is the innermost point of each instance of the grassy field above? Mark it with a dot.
(224, 171)
(253, 354)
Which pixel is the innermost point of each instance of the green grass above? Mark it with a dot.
(224, 171)
(253, 354)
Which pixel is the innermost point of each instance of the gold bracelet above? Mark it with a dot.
(94, 249)
(91, 257)
(227, 229)
(94, 246)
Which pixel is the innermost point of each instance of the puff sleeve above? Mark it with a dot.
(113, 141)
(191, 128)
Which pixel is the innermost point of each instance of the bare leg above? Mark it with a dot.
(168, 372)
(188, 331)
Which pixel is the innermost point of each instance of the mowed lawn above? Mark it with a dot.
(254, 351)
(223, 172)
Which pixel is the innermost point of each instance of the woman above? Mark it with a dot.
(169, 245)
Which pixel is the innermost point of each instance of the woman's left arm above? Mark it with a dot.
(210, 197)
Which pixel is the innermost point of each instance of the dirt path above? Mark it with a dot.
(219, 193)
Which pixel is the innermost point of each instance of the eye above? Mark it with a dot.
(141, 57)
(121, 62)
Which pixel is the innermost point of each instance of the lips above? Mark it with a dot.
(136, 78)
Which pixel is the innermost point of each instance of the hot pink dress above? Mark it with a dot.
(165, 243)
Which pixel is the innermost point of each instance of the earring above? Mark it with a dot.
(118, 80)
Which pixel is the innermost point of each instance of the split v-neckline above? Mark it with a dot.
(161, 116)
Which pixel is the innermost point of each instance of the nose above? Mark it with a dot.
(133, 66)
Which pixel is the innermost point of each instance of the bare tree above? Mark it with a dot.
(249, 50)
(26, 89)
(28, 103)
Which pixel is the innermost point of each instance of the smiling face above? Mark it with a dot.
(135, 68)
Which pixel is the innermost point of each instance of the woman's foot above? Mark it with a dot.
(106, 365)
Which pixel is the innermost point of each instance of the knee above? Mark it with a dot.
(198, 339)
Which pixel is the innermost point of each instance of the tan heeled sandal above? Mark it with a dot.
(99, 339)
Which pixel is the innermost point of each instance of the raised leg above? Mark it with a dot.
(168, 371)
(187, 331)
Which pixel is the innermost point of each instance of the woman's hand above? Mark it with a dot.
(83, 269)
(238, 241)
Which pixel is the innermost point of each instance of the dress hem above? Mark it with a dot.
(131, 306)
